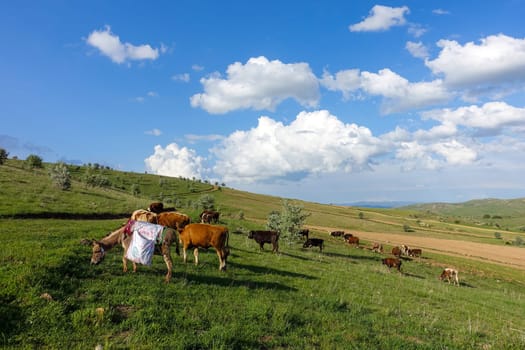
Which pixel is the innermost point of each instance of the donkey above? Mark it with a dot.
(123, 237)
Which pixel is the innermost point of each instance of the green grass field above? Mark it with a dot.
(342, 298)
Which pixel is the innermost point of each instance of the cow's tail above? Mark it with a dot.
(227, 244)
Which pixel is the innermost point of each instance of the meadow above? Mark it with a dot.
(342, 298)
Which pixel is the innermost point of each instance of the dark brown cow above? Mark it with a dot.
(337, 233)
(156, 207)
(448, 274)
(346, 236)
(209, 216)
(314, 242)
(353, 240)
(392, 262)
(204, 236)
(304, 233)
(262, 237)
(396, 251)
(416, 252)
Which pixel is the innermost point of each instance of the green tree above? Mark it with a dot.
(33, 161)
(61, 176)
(289, 221)
(3, 156)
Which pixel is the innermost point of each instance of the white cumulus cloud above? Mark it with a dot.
(381, 18)
(110, 45)
(259, 84)
(175, 161)
(399, 94)
(497, 59)
(315, 142)
(417, 50)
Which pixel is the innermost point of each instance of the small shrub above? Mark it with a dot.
(33, 161)
(3, 156)
(497, 235)
(60, 175)
(518, 241)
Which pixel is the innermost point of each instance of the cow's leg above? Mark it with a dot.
(166, 255)
(222, 261)
(134, 266)
(184, 255)
(261, 246)
(196, 255)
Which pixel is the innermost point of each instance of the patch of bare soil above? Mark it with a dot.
(504, 255)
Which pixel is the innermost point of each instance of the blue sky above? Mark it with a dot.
(326, 101)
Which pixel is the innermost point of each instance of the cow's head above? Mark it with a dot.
(250, 235)
(98, 253)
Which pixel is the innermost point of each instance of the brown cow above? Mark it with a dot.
(450, 273)
(377, 247)
(353, 240)
(396, 251)
(392, 262)
(262, 237)
(204, 236)
(173, 219)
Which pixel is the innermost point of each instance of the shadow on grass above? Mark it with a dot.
(228, 282)
(268, 270)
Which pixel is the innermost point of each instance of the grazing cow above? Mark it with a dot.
(377, 247)
(346, 236)
(314, 242)
(396, 251)
(156, 207)
(392, 262)
(144, 215)
(416, 252)
(209, 216)
(304, 233)
(173, 219)
(450, 273)
(204, 236)
(337, 233)
(262, 237)
(353, 240)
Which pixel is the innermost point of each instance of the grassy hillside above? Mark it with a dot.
(342, 298)
(503, 214)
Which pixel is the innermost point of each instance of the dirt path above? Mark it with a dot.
(504, 255)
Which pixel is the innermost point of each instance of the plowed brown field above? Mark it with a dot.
(504, 255)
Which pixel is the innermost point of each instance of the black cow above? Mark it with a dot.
(304, 233)
(314, 242)
(262, 237)
(337, 233)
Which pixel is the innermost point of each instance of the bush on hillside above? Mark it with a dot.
(60, 175)
(3, 156)
(33, 161)
(289, 221)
